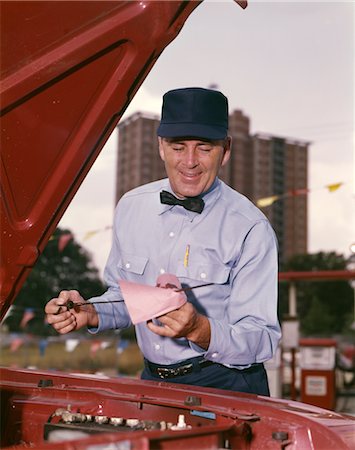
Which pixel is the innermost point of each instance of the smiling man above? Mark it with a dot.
(194, 226)
(192, 165)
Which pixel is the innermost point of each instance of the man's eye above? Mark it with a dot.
(205, 148)
(178, 148)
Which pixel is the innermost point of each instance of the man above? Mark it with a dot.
(207, 233)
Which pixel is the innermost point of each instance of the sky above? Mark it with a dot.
(289, 66)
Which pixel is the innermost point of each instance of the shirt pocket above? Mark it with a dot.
(132, 263)
(205, 273)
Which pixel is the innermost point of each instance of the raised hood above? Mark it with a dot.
(69, 69)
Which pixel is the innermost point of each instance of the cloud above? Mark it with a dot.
(331, 215)
(144, 101)
(96, 219)
(331, 222)
(289, 66)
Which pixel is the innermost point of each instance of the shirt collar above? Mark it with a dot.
(209, 197)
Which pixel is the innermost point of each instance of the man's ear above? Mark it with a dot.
(226, 150)
(161, 149)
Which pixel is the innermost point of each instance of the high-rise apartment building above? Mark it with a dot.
(280, 169)
(138, 160)
(261, 165)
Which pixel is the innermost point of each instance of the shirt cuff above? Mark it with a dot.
(197, 348)
(222, 348)
(111, 316)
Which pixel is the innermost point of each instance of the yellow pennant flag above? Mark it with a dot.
(334, 187)
(266, 201)
(89, 234)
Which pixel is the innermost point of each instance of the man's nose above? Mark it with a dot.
(191, 159)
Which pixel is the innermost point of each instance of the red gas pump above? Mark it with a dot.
(318, 361)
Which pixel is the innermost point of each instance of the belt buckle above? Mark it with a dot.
(164, 372)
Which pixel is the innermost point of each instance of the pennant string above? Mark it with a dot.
(268, 201)
(333, 187)
(261, 203)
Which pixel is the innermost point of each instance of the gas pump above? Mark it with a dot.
(318, 362)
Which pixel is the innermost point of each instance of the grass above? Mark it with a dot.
(81, 359)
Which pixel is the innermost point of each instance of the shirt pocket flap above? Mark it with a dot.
(133, 263)
(208, 273)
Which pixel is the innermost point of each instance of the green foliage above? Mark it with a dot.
(323, 307)
(128, 333)
(317, 321)
(55, 270)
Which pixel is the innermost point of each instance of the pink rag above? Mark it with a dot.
(148, 302)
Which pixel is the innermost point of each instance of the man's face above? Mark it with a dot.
(193, 164)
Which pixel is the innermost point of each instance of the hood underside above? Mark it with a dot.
(69, 69)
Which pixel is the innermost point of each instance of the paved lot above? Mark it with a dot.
(346, 402)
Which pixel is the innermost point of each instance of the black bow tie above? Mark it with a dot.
(195, 204)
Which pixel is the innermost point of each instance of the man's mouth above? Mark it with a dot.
(190, 176)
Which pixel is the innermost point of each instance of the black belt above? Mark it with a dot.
(177, 370)
(190, 366)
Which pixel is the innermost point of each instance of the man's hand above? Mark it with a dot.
(184, 322)
(64, 321)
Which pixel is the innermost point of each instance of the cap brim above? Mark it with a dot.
(173, 130)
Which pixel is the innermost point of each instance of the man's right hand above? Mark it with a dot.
(63, 320)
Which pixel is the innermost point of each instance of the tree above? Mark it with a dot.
(63, 265)
(317, 321)
(323, 307)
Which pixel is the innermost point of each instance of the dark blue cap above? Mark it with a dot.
(194, 112)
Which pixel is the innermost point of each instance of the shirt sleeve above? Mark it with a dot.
(112, 315)
(249, 332)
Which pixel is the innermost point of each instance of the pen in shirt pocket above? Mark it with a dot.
(186, 257)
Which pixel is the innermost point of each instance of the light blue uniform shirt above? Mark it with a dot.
(231, 244)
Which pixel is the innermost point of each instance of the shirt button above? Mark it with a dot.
(203, 275)
(171, 234)
(214, 355)
(157, 347)
(162, 271)
(127, 265)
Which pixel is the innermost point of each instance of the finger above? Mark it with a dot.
(75, 296)
(57, 303)
(160, 330)
(55, 319)
(67, 299)
(168, 321)
(174, 319)
(59, 310)
(64, 295)
(53, 305)
(69, 295)
(65, 326)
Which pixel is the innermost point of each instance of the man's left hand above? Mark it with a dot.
(184, 322)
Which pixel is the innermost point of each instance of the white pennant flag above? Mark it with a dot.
(71, 344)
